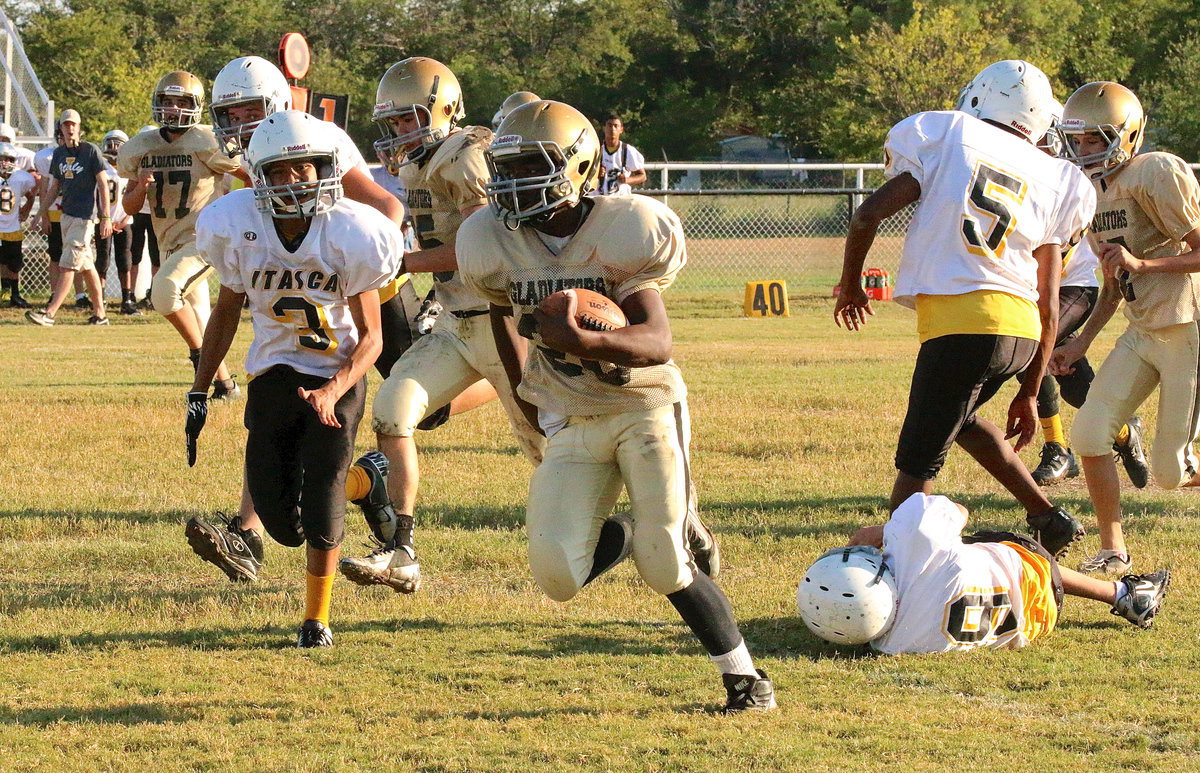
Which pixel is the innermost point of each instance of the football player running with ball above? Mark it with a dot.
(981, 266)
(917, 585)
(613, 404)
(310, 263)
(1147, 227)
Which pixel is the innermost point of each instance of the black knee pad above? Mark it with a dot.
(1047, 398)
(1075, 386)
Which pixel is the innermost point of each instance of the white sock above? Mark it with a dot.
(1122, 590)
(736, 661)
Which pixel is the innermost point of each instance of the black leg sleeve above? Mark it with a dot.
(706, 610)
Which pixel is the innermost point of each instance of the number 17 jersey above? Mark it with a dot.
(988, 200)
(186, 172)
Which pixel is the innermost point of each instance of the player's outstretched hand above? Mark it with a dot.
(1063, 359)
(323, 402)
(1022, 421)
(197, 415)
(852, 308)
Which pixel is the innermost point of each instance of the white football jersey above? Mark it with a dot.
(626, 244)
(41, 163)
(13, 190)
(298, 299)
(952, 596)
(988, 200)
(116, 189)
(1080, 266)
(25, 159)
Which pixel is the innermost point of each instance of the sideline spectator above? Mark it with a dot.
(41, 165)
(77, 171)
(621, 164)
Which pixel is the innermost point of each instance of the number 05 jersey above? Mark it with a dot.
(626, 244)
(186, 173)
(298, 299)
(988, 200)
(956, 596)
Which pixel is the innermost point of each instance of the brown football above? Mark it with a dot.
(594, 311)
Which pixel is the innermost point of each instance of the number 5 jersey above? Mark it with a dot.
(186, 172)
(988, 200)
(298, 299)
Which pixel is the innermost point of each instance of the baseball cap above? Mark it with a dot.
(69, 115)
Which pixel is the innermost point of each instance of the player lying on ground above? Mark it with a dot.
(612, 404)
(916, 585)
(981, 266)
(310, 263)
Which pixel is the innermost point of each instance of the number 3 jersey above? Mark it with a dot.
(956, 596)
(298, 299)
(625, 245)
(988, 200)
(186, 176)
(1148, 206)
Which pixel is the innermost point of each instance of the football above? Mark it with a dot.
(594, 311)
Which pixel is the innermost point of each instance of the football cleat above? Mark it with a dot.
(82, 302)
(403, 573)
(1107, 562)
(314, 633)
(1143, 596)
(1133, 455)
(97, 320)
(613, 546)
(130, 309)
(17, 302)
(702, 542)
(226, 390)
(377, 505)
(748, 693)
(369, 569)
(1056, 530)
(39, 317)
(1057, 463)
(235, 551)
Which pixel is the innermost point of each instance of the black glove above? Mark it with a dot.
(427, 317)
(197, 414)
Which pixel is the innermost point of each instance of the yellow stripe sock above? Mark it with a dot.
(1052, 430)
(358, 483)
(317, 597)
(1122, 438)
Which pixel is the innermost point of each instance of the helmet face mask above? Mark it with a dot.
(1107, 112)
(178, 101)
(424, 98)
(8, 159)
(290, 137)
(247, 90)
(544, 159)
(111, 144)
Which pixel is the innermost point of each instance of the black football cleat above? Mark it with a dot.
(748, 693)
(235, 551)
(1056, 530)
(314, 634)
(1057, 463)
(17, 302)
(1143, 596)
(1133, 455)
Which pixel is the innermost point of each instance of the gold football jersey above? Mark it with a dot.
(1148, 207)
(438, 191)
(626, 244)
(187, 173)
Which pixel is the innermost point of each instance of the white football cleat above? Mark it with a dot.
(369, 569)
(403, 575)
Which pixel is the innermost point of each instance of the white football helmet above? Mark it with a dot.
(848, 596)
(7, 133)
(247, 79)
(111, 144)
(511, 103)
(1012, 93)
(8, 158)
(288, 136)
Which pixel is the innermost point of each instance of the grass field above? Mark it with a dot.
(120, 651)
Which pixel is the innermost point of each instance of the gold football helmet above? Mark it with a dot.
(1111, 111)
(511, 103)
(423, 94)
(545, 156)
(178, 84)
